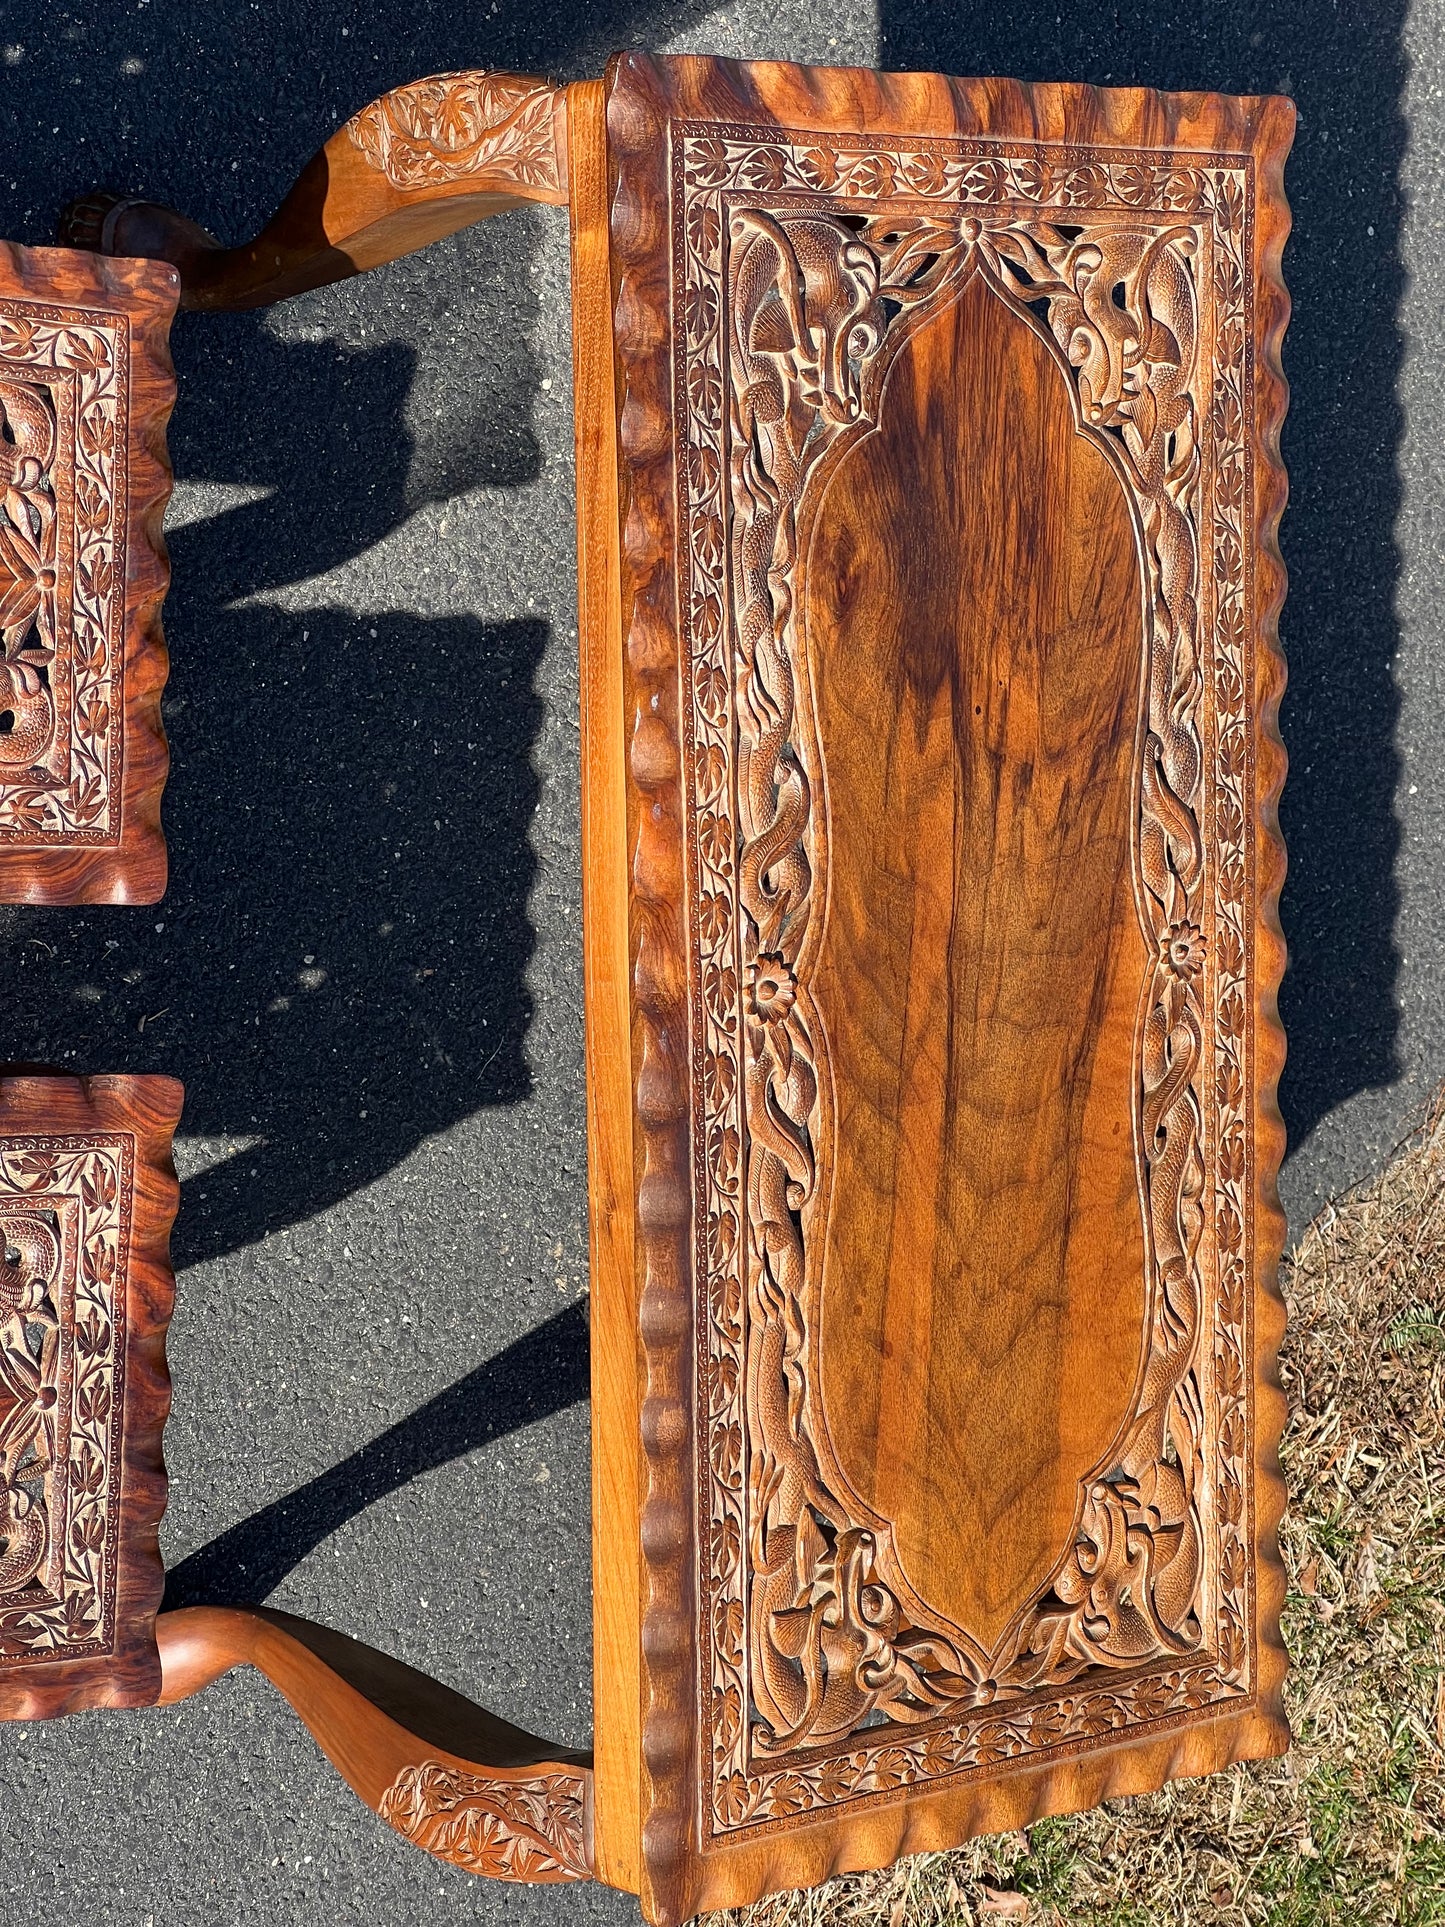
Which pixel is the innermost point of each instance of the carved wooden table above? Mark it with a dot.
(928, 474)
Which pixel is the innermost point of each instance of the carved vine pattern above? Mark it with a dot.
(817, 1640)
(508, 1829)
(452, 126)
(64, 388)
(64, 1218)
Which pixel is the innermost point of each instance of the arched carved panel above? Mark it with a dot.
(976, 1329)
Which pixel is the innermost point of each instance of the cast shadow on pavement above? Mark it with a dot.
(541, 1373)
(338, 971)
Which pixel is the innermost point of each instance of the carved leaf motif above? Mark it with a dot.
(32, 1168)
(508, 1828)
(818, 167)
(704, 229)
(924, 174)
(21, 568)
(704, 388)
(764, 168)
(453, 126)
(871, 175)
(96, 433)
(1134, 183)
(84, 348)
(701, 309)
(30, 810)
(17, 335)
(1032, 179)
(789, 1794)
(707, 539)
(735, 1798)
(711, 685)
(986, 181)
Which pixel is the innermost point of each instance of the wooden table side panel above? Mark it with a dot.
(87, 387)
(89, 1196)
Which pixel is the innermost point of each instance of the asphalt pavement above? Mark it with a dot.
(368, 967)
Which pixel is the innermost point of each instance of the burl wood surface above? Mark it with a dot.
(87, 1197)
(86, 389)
(948, 415)
(973, 611)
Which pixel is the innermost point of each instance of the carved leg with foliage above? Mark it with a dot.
(446, 1774)
(420, 163)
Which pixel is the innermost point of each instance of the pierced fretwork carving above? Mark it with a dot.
(28, 558)
(63, 396)
(29, 1392)
(86, 386)
(63, 1210)
(802, 267)
(448, 127)
(522, 1828)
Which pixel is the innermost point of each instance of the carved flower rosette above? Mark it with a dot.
(800, 265)
(64, 1218)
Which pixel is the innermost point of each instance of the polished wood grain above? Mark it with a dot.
(448, 1775)
(87, 1197)
(975, 626)
(417, 164)
(86, 389)
(956, 1226)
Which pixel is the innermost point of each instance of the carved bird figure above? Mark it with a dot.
(28, 446)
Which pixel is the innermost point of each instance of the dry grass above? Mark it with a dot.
(1350, 1828)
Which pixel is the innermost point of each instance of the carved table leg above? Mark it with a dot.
(446, 1774)
(417, 164)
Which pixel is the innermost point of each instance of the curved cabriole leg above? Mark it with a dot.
(417, 164)
(447, 1775)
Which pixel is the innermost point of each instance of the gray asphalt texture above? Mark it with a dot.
(367, 969)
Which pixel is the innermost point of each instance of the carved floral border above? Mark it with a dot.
(449, 127)
(87, 1184)
(716, 168)
(82, 361)
(506, 1826)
